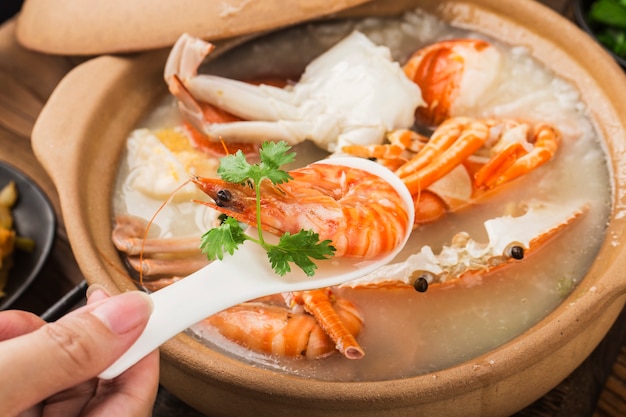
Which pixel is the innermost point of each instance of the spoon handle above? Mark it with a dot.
(215, 287)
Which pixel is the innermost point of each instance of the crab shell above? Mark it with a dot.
(529, 231)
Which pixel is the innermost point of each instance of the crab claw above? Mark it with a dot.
(336, 102)
(453, 73)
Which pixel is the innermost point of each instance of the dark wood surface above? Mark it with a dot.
(597, 388)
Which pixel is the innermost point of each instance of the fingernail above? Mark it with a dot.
(96, 292)
(124, 312)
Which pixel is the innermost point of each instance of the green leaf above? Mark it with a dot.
(278, 176)
(299, 248)
(235, 168)
(608, 12)
(275, 154)
(225, 238)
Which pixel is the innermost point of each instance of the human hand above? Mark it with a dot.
(51, 369)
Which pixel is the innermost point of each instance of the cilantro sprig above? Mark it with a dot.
(299, 248)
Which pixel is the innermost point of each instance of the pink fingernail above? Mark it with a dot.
(124, 312)
(96, 292)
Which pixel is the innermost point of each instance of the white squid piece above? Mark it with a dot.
(353, 94)
(509, 238)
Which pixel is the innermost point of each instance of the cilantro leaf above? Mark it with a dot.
(275, 154)
(299, 248)
(235, 168)
(278, 176)
(225, 238)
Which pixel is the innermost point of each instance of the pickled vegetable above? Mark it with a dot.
(9, 241)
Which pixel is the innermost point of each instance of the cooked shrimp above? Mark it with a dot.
(324, 198)
(278, 330)
(339, 318)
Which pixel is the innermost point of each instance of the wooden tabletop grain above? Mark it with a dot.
(597, 388)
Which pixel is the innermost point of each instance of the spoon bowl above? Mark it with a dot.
(246, 275)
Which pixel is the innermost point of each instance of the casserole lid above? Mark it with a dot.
(78, 27)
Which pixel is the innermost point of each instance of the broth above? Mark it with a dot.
(407, 333)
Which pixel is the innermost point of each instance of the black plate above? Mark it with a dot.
(34, 218)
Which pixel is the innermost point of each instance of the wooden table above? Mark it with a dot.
(597, 388)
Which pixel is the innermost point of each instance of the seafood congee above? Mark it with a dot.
(506, 168)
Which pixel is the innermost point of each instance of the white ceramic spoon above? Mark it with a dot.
(246, 275)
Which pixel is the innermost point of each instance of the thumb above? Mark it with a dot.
(72, 350)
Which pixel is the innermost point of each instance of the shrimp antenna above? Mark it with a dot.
(147, 229)
(226, 151)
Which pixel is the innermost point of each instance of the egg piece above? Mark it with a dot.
(160, 164)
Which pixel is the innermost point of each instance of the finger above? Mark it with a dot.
(15, 323)
(133, 393)
(72, 350)
(70, 402)
(73, 400)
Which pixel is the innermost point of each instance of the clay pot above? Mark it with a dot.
(81, 133)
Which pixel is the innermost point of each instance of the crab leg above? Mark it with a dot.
(128, 237)
(516, 160)
(450, 145)
(500, 151)
(156, 257)
(249, 131)
(151, 267)
(399, 141)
